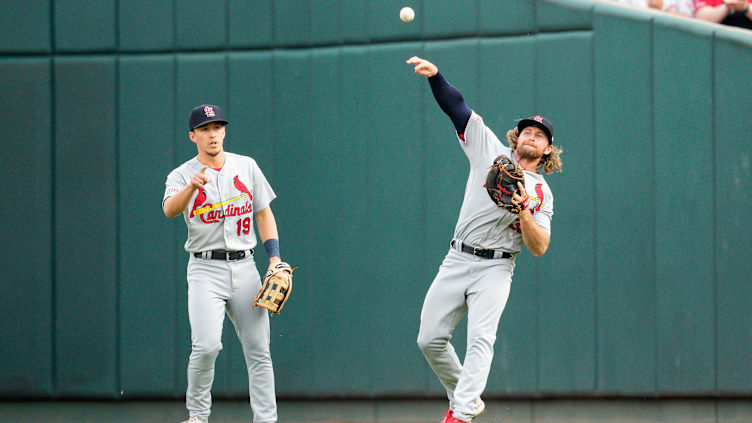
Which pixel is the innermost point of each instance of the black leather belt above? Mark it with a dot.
(489, 254)
(228, 256)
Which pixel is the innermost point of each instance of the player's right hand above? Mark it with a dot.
(200, 179)
(423, 66)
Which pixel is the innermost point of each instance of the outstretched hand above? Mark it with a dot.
(200, 179)
(423, 66)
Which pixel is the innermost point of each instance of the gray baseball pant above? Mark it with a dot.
(216, 287)
(480, 288)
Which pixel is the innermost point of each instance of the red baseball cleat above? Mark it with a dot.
(449, 418)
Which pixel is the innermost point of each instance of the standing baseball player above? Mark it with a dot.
(218, 193)
(476, 274)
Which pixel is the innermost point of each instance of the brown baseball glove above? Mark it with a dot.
(501, 184)
(276, 288)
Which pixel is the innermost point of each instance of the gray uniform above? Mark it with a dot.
(474, 285)
(221, 219)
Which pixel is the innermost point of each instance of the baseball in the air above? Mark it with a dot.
(407, 14)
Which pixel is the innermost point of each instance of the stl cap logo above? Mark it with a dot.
(208, 111)
(538, 118)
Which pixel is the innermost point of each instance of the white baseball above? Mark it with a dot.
(407, 14)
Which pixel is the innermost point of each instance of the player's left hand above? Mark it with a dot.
(275, 287)
(273, 262)
(520, 197)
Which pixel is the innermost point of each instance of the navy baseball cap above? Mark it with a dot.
(540, 122)
(205, 113)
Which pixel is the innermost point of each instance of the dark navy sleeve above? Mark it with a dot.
(451, 102)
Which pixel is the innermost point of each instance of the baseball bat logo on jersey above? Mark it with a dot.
(213, 213)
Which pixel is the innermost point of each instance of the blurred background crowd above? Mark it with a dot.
(727, 12)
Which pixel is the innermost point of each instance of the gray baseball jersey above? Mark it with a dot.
(481, 222)
(221, 217)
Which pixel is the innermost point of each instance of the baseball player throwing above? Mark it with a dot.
(476, 274)
(218, 193)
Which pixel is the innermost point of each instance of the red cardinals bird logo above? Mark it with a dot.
(240, 186)
(200, 198)
(539, 191)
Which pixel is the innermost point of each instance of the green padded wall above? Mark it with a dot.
(146, 25)
(683, 69)
(642, 293)
(623, 223)
(81, 25)
(27, 337)
(292, 22)
(344, 134)
(250, 23)
(147, 299)
(86, 211)
(562, 15)
(201, 24)
(506, 17)
(26, 27)
(732, 266)
(442, 18)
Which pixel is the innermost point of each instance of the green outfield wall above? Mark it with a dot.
(644, 292)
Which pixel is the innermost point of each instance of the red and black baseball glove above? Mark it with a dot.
(501, 184)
